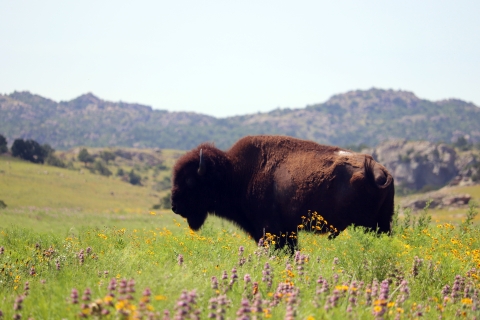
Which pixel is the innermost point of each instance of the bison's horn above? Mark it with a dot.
(201, 167)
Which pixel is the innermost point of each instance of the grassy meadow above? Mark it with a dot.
(74, 244)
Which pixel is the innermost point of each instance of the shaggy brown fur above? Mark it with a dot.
(265, 184)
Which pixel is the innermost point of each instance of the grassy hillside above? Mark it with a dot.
(50, 198)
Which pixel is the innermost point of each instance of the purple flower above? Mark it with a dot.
(74, 296)
(214, 283)
(18, 303)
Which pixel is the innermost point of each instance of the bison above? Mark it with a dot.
(266, 184)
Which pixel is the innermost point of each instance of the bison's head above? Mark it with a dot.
(197, 183)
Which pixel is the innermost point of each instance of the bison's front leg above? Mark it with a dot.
(286, 240)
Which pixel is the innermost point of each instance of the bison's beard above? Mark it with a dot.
(196, 221)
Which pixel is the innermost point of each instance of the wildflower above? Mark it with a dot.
(212, 305)
(417, 263)
(131, 286)
(32, 271)
(122, 287)
(18, 303)
(185, 305)
(456, 287)
(86, 294)
(2, 249)
(244, 311)
(81, 256)
(384, 290)
(180, 259)
(214, 283)
(26, 288)
(255, 288)
(57, 264)
(224, 275)
(404, 292)
(267, 275)
(332, 300)
(74, 296)
(335, 278)
(112, 286)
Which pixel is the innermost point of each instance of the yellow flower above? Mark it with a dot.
(267, 313)
(120, 304)
(108, 300)
(342, 288)
(153, 213)
(160, 297)
(300, 226)
(380, 302)
(377, 309)
(467, 301)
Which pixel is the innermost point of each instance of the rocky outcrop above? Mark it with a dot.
(439, 199)
(417, 165)
(468, 166)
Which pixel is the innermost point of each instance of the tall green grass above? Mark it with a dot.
(421, 270)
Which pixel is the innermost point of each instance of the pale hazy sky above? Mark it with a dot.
(235, 57)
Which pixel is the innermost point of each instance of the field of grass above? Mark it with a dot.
(219, 272)
(70, 249)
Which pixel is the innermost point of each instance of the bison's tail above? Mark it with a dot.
(377, 174)
(383, 180)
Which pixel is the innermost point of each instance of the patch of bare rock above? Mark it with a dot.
(439, 199)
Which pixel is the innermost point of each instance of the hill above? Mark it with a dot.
(352, 118)
(82, 188)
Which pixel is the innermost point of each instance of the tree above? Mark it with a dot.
(85, 157)
(134, 178)
(50, 157)
(462, 144)
(28, 150)
(3, 144)
(107, 156)
(120, 172)
(102, 169)
(165, 202)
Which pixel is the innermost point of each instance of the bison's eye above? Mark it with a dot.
(190, 182)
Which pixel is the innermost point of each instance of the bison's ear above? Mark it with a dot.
(201, 167)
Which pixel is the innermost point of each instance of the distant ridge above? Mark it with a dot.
(352, 118)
